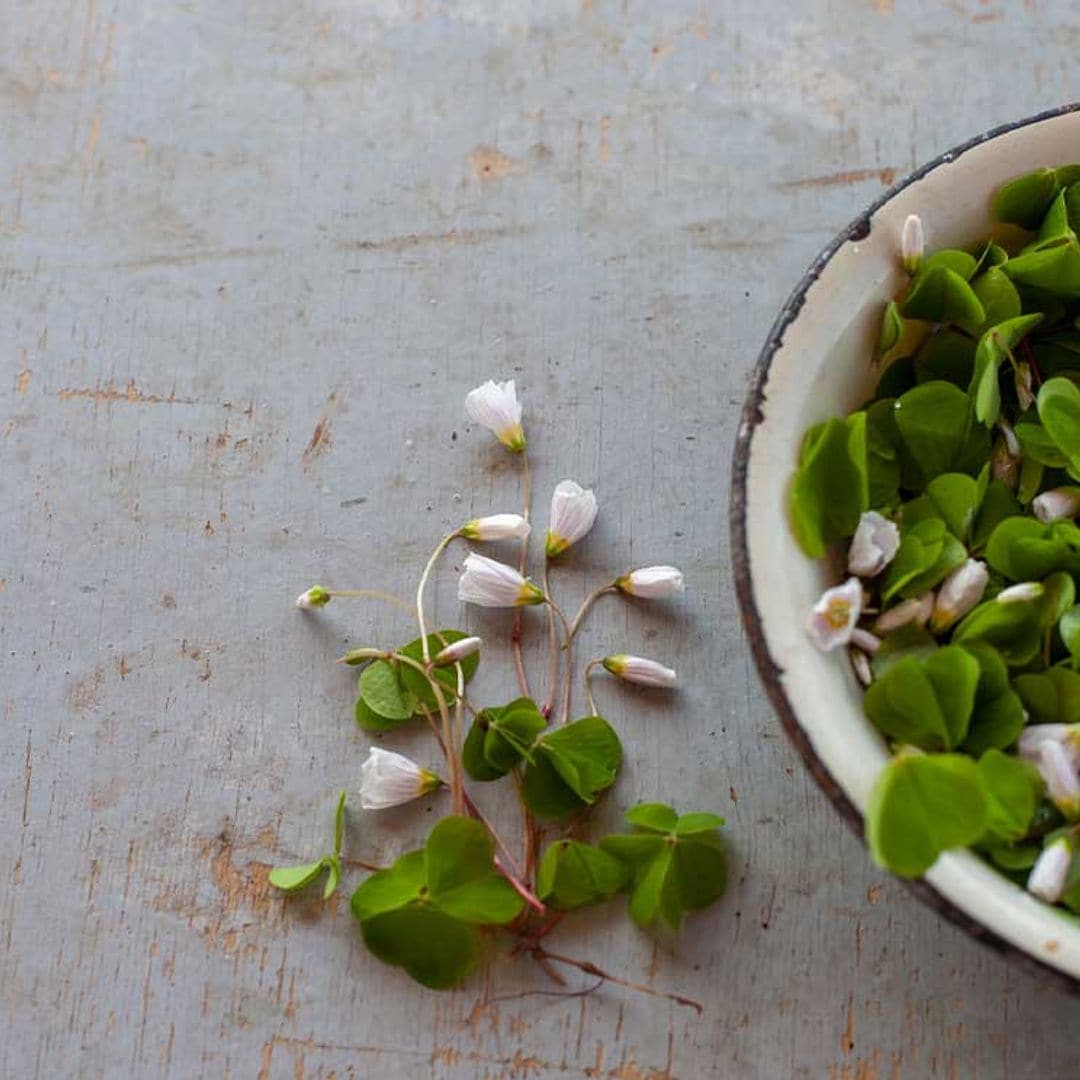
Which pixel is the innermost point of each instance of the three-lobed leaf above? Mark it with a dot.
(572, 874)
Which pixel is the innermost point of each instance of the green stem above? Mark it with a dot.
(442, 545)
(553, 637)
(523, 559)
(566, 647)
(588, 603)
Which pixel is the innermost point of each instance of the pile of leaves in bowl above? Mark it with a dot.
(955, 490)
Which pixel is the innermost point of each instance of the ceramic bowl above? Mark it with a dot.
(816, 364)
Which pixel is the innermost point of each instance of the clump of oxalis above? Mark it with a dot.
(432, 911)
(954, 489)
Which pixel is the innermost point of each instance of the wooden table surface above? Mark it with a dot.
(253, 253)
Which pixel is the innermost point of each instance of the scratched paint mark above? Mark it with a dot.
(603, 150)
(488, 164)
(847, 1039)
(90, 146)
(22, 381)
(464, 237)
(28, 770)
(874, 894)
(129, 394)
(321, 438)
(84, 694)
(884, 175)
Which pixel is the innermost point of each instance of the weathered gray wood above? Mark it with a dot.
(252, 255)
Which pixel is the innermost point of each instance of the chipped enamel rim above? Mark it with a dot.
(814, 365)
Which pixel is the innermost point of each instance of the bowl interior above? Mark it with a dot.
(818, 364)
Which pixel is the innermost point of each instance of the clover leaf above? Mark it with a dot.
(1069, 629)
(572, 874)
(998, 296)
(1013, 790)
(1059, 411)
(1050, 697)
(830, 488)
(935, 421)
(927, 553)
(673, 871)
(1054, 268)
(997, 717)
(994, 347)
(922, 805)
(500, 738)
(421, 914)
(291, 879)
(1024, 549)
(1025, 200)
(418, 685)
(572, 765)
(946, 356)
(941, 295)
(925, 702)
(892, 329)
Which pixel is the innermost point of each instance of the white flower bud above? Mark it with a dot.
(651, 582)
(637, 669)
(1017, 594)
(834, 616)
(874, 545)
(490, 583)
(1024, 396)
(959, 593)
(390, 779)
(466, 646)
(1051, 871)
(864, 640)
(496, 527)
(573, 511)
(496, 407)
(917, 609)
(912, 243)
(1058, 504)
(861, 663)
(1054, 749)
(315, 597)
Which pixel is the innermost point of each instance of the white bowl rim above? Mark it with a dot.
(768, 669)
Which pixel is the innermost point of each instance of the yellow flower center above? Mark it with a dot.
(837, 613)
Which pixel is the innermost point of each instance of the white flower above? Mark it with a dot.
(959, 593)
(573, 511)
(637, 669)
(651, 582)
(1058, 504)
(834, 616)
(1054, 749)
(1017, 594)
(490, 583)
(917, 609)
(874, 545)
(496, 407)
(912, 243)
(1051, 871)
(389, 779)
(466, 646)
(315, 597)
(496, 527)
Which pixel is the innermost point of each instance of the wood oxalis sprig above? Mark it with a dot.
(427, 911)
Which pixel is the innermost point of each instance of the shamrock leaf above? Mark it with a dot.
(925, 702)
(385, 702)
(291, 879)
(1052, 697)
(997, 717)
(997, 504)
(421, 914)
(830, 488)
(571, 766)
(572, 874)
(922, 805)
(1024, 549)
(956, 497)
(1025, 200)
(1013, 790)
(927, 553)
(1059, 411)
(935, 421)
(947, 356)
(941, 295)
(892, 329)
(994, 347)
(672, 871)
(998, 296)
(500, 738)
(1053, 268)
(1014, 627)
(1069, 628)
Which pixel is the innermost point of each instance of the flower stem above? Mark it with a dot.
(453, 760)
(442, 545)
(588, 603)
(369, 594)
(523, 559)
(565, 712)
(588, 685)
(553, 635)
(529, 897)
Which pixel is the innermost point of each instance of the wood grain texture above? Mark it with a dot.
(252, 255)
